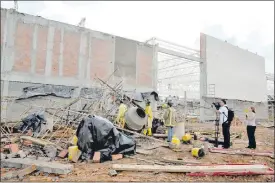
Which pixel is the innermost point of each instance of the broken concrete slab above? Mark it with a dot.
(76, 156)
(20, 174)
(48, 167)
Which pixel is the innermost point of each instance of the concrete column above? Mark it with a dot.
(61, 54)
(34, 47)
(88, 69)
(50, 39)
(81, 57)
(4, 102)
(7, 55)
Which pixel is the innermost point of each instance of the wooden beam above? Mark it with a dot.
(190, 168)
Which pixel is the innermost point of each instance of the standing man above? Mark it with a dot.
(223, 113)
(149, 113)
(170, 119)
(121, 114)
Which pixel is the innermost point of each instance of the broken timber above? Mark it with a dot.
(39, 141)
(192, 168)
(222, 151)
(48, 167)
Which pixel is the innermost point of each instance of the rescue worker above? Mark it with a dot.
(120, 120)
(149, 113)
(170, 120)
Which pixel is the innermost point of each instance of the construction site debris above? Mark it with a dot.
(48, 167)
(112, 173)
(32, 124)
(178, 161)
(95, 133)
(193, 168)
(135, 118)
(19, 174)
(238, 152)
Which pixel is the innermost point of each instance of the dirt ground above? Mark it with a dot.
(99, 171)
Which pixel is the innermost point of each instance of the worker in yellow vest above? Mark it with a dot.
(120, 120)
(170, 120)
(149, 113)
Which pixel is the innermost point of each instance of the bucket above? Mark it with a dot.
(197, 152)
(186, 138)
(72, 151)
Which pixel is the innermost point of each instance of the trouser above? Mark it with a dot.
(251, 136)
(122, 122)
(226, 135)
(170, 133)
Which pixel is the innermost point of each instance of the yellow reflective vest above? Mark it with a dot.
(170, 117)
(149, 113)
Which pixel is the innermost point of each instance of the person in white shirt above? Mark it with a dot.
(223, 112)
(251, 127)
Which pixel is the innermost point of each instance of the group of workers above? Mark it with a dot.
(168, 117)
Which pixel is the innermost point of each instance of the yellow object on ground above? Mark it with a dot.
(197, 152)
(72, 151)
(187, 137)
(175, 141)
(121, 115)
(74, 140)
(164, 106)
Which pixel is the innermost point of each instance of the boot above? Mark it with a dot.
(149, 132)
(145, 132)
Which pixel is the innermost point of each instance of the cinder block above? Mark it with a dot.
(27, 143)
(117, 156)
(11, 148)
(96, 158)
(63, 153)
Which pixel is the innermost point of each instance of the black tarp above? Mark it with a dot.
(47, 90)
(97, 134)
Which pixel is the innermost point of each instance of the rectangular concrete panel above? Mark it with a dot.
(145, 69)
(125, 61)
(23, 47)
(56, 52)
(236, 73)
(41, 50)
(71, 44)
(101, 57)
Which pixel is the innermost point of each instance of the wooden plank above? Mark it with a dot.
(143, 152)
(251, 153)
(191, 168)
(40, 142)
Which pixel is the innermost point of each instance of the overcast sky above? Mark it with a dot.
(250, 25)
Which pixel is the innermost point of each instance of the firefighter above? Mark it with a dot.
(149, 113)
(120, 120)
(170, 119)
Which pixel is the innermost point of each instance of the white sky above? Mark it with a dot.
(250, 25)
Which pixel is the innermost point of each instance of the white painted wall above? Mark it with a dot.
(236, 73)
